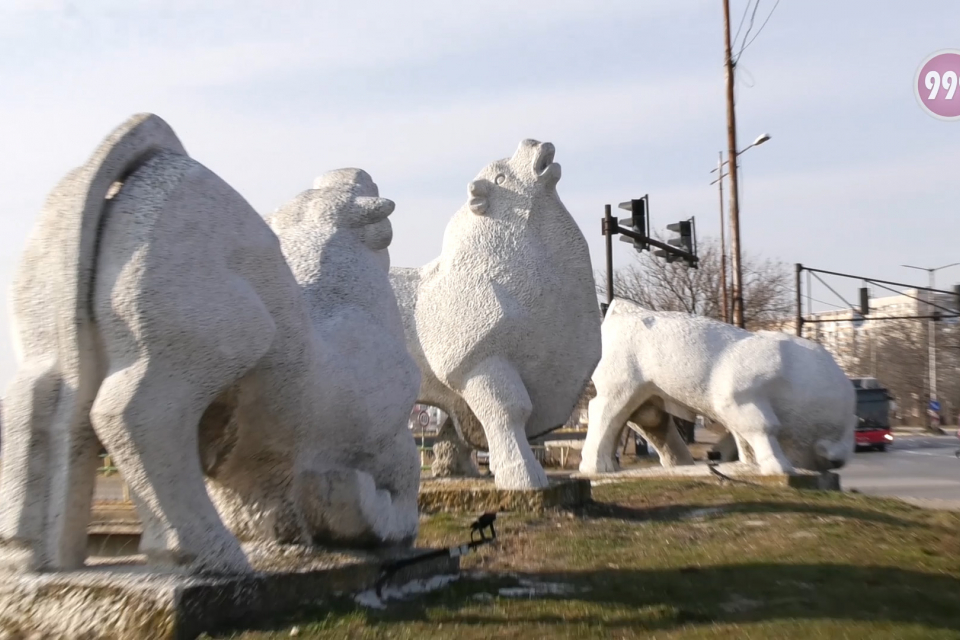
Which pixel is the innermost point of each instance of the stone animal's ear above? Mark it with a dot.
(371, 210)
(478, 196)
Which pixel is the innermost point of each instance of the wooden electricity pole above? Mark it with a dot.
(723, 246)
(737, 273)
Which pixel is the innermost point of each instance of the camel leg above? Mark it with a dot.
(607, 417)
(665, 438)
(452, 456)
(497, 396)
(147, 416)
(48, 470)
(758, 425)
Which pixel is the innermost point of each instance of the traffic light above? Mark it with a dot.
(864, 302)
(685, 242)
(637, 221)
(669, 257)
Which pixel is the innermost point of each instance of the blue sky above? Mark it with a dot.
(422, 94)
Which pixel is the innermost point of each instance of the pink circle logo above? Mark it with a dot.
(936, 85)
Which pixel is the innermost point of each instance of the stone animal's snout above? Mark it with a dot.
(366, 210)
(832, 455)
(531, 172)
(537, 157)
(373, 214)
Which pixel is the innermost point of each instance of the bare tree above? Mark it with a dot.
(661, 286)
(896, 353)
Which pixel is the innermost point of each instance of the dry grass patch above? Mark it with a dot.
(685, 559)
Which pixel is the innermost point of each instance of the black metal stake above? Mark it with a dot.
(480, 527)
(799, 302)
(608, 223)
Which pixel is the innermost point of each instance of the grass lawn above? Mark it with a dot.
(684, 559)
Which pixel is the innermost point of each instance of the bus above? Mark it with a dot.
(873, 413)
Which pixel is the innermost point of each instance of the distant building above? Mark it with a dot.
(847, 335)
(854, 342)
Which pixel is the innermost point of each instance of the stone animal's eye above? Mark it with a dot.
(500, 178)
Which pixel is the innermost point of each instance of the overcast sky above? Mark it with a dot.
(422, 94)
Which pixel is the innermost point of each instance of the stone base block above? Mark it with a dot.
(121, 598)
(480, 495)
(736, 471)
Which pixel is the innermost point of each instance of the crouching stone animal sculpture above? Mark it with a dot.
(784, 399)
(505, 324)
(155, 313)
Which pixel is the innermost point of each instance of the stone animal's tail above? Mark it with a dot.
(50, 449)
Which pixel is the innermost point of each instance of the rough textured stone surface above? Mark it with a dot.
(785, 400)
(481, 495)
(154, 311)
(120, 599)
(505, 324)
(360, 475)
(451, 455)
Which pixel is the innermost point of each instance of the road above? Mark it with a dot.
(920, 469)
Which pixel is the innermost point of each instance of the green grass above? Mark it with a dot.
(680, 559)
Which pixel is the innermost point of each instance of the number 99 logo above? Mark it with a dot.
(935, 85)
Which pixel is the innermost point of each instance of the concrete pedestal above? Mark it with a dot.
(120, 598)
(480, 495)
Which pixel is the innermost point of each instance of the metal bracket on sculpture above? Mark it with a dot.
(481, 526)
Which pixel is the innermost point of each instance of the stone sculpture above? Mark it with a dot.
(450, 457)
(155, 312)
(364, 463)
(505, 324)
(785, 400)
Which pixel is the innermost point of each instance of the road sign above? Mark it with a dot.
(423, 418)
(934, 406)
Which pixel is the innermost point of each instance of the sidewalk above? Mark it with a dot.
(922, 431)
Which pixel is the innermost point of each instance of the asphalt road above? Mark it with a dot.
(920, 469)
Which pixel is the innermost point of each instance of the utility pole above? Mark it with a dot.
(932, 324)
(723, 245)
(737, 275)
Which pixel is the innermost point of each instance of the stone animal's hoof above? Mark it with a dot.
(521, 475)
(598, 465)
(218, 555)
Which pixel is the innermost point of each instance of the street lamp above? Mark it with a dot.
(932, 326)
(763, 137)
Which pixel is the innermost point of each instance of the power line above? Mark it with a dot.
(834, 291)
(829, 304)
(742, 18)
(749, 27)
(747, 44)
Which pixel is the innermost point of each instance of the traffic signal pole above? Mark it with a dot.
(609, 222)
(639, 232)
(691, 258)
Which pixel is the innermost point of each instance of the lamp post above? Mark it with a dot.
(932, 326)
(735, 229)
